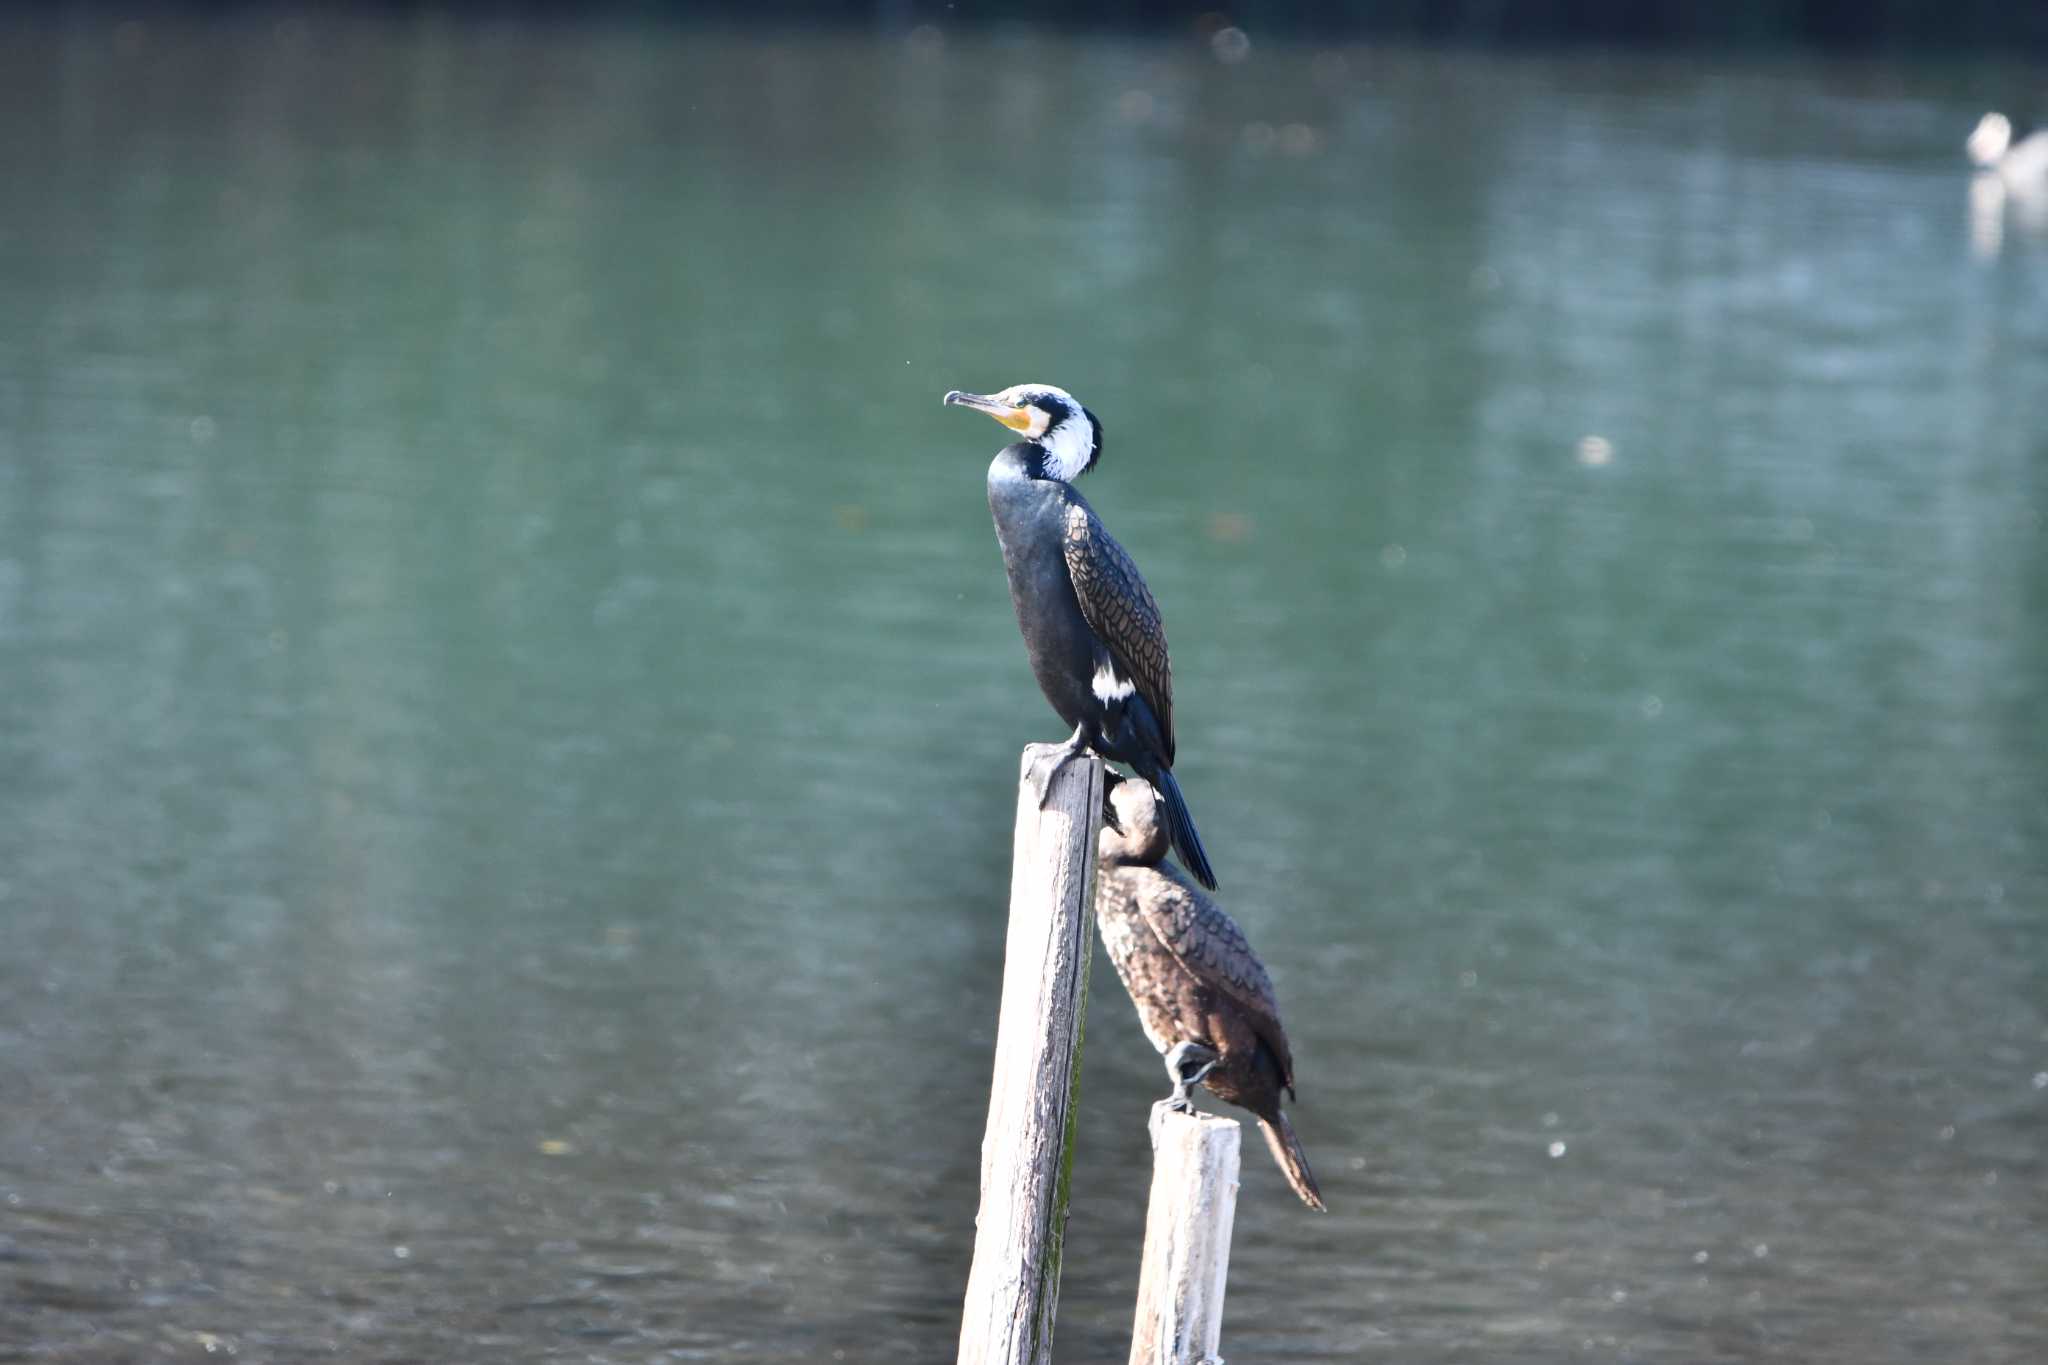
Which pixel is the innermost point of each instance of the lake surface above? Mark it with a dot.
(509, 706)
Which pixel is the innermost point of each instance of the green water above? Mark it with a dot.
(508, 702)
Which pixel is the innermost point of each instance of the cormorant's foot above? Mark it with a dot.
(1043, 774)
(1041, 783)
(1187, 1063)
(1068, 753)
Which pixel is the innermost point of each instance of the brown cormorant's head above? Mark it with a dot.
(1143, 835)
(1049, 418)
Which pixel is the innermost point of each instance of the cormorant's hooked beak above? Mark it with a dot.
(1017, 419)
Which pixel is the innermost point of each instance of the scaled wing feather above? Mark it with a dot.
(1120, 609)
(1208, 943)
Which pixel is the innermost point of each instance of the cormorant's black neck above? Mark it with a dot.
(1026, 459)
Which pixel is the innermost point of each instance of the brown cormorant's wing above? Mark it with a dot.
(1120, 609)
(1207, 941)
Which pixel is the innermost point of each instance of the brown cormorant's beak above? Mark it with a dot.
(1017, 419)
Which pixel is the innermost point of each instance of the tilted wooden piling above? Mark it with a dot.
(1027, 1149)
(1187, 1239)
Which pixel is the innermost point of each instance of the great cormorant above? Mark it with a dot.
(1202, 994)
(1090, 625)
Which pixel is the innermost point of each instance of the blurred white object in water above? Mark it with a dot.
(2022, 165)
(2011, 174)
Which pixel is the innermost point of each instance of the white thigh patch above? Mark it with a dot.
(1108, 686)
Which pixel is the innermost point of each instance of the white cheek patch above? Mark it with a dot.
(1107, 685)
(1067, 447)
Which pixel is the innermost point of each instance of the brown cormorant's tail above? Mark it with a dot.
(1293, 1163)
(1180, 827)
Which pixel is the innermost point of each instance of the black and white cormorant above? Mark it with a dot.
(1090, 625)
(1203, 996)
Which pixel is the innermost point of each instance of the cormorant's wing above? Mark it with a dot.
(1120, 608)
(1205, 940)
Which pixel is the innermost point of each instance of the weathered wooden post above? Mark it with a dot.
(1027, 1150)
(1187, 1239)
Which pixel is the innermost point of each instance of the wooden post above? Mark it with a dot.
(1027, 1151)
(1187, 1239)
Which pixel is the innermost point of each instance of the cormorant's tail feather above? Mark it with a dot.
(1180, 827)
(1293, 1163)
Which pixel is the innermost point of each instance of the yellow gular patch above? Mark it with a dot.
(1017, 419)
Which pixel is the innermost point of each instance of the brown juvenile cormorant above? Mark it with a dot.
(1090, 625)
(1203, 996)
